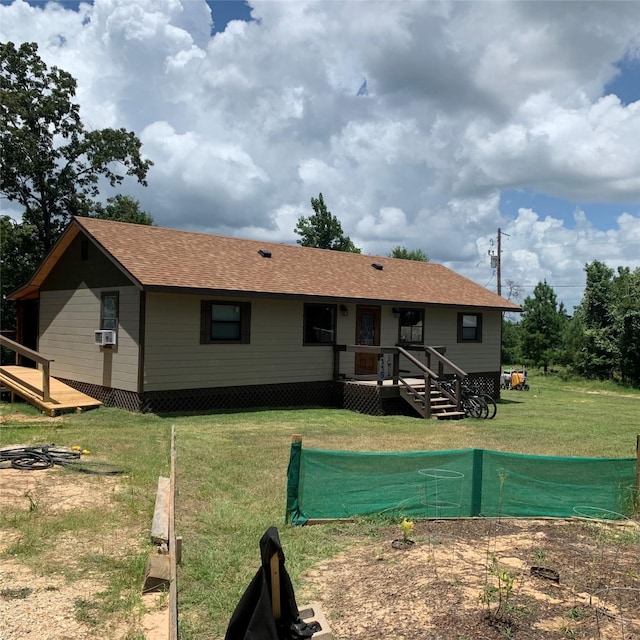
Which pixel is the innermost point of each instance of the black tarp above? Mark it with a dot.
(253, 617)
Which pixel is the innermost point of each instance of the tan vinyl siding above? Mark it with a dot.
(175, 359)
(67, 322)
(345, 334)
(442, 329)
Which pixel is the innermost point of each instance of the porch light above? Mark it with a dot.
(396, 312)
(344, 310)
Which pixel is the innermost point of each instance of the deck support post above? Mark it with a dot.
(46, 385)
(396, 367)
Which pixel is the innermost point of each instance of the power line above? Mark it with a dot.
(555, 286)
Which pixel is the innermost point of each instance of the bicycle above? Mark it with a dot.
(474, 404)
(492, 407)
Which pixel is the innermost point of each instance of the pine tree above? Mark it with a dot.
(542, 324)
(323, 230)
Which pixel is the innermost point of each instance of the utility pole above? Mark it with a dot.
(496, 261)
(498, 268)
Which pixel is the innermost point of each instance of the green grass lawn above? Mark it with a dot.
(231, 477)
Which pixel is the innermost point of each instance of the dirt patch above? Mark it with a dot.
(19, 417)
(55, 488)
(473, 580)
(46, 604)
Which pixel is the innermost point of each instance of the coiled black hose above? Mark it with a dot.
(40, 457)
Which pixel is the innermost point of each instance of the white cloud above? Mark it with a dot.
(536, 248)
(388, 225)
(463, 101)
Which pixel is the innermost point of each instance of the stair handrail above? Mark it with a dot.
(32, 355)
(443, 360)
(437, 377)
(428, 376)
(423, 367)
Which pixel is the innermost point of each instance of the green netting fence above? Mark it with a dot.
(454, 484)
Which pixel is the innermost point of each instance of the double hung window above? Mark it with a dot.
(469, 327)
(109, 311)
(411, 326)
(319, 324)
(225, 322)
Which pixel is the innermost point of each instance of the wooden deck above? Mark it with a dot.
(27, 383)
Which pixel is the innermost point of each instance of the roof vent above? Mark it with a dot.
(264, 253)
(377, 265)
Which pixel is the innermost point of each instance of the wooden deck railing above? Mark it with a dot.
(431, 353)
(36, 357)
(435, 360)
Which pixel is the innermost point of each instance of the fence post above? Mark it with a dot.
(638, 470)
(476, 482)
(173, 550)
(293, 478)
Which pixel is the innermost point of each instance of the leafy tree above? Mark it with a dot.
(16, 259)
(408, 254)
(50, 163)
(323, 230)
(123, 209)
(596, 305)
(626, 298)
(602, 340)
(572, 343)
(510, 352)
(542, 324)
(600, 354)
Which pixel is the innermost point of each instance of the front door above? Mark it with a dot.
(368, 334)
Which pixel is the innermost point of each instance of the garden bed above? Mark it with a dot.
(473, 579)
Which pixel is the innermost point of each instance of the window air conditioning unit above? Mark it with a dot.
(104, 337)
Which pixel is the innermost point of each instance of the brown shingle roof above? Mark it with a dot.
(159, 258)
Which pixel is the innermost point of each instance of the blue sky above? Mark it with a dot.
(626, 85)
(476, 116)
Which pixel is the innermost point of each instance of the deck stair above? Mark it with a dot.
(441, 406)
(427, 395)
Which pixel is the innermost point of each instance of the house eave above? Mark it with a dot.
(31, 289)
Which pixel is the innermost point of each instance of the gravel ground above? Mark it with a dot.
(50, 606)
(41, 607)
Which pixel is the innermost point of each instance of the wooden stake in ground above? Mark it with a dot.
(275, 586)
(637, 505)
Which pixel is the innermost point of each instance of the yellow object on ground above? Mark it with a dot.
(517, 377)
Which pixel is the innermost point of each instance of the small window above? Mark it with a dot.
(225, 322)
(411, 326)
(109, 311)
(319, 324)
(469, 327)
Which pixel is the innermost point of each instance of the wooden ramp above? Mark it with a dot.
(27, 383)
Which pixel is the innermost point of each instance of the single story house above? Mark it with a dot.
(155, 319)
